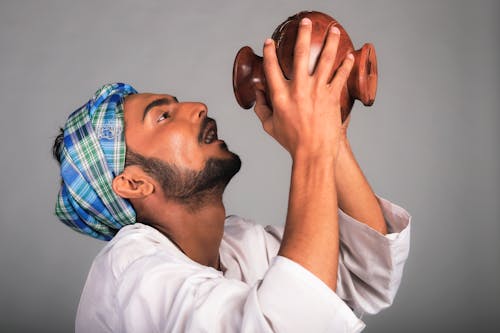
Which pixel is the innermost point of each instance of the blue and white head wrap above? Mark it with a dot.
(92, 154)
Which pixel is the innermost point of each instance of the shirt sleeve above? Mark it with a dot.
(370, 264)
(157, 295)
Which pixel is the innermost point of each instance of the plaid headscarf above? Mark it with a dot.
(93, 153)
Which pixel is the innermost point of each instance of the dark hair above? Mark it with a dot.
(154, 167)
(57, 147)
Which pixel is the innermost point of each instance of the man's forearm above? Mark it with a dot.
(355, 196)
(311, 231)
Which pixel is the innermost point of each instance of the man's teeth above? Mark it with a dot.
(211, 136)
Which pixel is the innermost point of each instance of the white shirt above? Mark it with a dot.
(141, 282)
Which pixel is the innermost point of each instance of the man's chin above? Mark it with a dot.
(229, 166)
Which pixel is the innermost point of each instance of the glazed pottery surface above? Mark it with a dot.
(248, 73)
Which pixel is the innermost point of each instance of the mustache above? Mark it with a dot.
(203, 126)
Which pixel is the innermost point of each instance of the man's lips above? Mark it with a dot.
(208, 131)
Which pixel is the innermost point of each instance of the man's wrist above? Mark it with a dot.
(344, 144)
(345, 151)
(318, 156)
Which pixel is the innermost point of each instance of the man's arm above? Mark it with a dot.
(355, 196)
(305, 120)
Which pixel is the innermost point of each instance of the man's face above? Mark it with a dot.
(180, 135)
(159, 126)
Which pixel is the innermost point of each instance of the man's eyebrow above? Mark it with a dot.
(158, 102)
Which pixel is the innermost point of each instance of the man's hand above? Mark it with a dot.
(305, 112)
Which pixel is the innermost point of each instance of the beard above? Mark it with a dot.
(191, 188)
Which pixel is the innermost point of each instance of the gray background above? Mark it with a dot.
(428, 143)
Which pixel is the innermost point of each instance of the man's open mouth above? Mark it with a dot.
(209, 132)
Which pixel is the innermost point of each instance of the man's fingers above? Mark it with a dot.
(274, 75)
(262, 110)
(342, 73)
(302, 49)
(324, 69)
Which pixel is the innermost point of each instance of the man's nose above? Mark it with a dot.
(194, 111)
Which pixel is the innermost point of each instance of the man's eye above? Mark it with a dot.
(163, 116)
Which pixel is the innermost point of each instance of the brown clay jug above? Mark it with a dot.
(248, 72)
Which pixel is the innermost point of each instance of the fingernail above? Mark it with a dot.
(305, 21)
(350, 56)
(268, 41)
(335, 30)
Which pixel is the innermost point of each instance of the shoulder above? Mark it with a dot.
(237, 226)
(247, 249)
(130, 244)
(240, 228)
(247, 232)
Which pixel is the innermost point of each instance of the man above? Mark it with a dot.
(149, 172)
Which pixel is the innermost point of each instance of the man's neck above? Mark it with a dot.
(197, 233)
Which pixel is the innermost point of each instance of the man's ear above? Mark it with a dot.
(133, 183)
